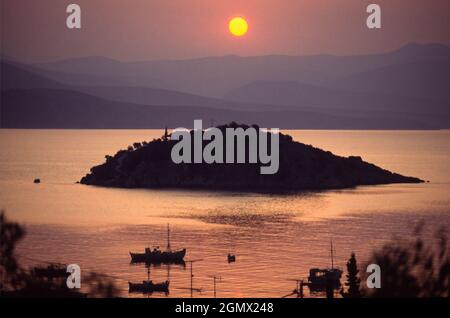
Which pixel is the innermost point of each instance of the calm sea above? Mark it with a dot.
(276, 238)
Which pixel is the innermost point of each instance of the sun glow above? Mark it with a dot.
(238, 26)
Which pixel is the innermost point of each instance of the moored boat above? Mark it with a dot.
(157, 256)
(53, 270)
(147, 287)
(231, 258)
(320, 279)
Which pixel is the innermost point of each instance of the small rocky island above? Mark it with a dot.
(301, 167)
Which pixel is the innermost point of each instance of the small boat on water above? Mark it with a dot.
(148, 286)
(156, 256)
(53, 270)
(231, 258)
(321, 278)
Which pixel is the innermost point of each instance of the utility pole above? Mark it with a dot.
(301, 289)
(192, 275)
(300, 283)
(215, 279)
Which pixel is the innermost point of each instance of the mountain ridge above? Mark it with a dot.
(280, 100)
(216, 76)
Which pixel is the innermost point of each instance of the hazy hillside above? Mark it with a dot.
(155, 96)
(299, 95)
(15, 76)
(216, 76)
(405, 89)
(20, 76)
(420, 79)
(50, 108)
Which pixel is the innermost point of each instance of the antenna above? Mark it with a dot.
(215, 279)
(300, 283)
(192, 275)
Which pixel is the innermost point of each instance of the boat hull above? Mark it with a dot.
(320, 278)
(148, 287)
(51, 271)
(159, 257)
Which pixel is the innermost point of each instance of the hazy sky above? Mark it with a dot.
(153, 29)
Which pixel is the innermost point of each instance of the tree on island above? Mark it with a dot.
(353, 280)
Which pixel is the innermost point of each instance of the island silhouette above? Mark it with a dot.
(301, 167)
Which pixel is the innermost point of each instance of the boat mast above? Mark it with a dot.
(168, 237)
(332, 260)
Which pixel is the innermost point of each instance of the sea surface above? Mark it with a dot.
(276, 238)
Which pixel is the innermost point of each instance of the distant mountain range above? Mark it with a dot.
(404, 89)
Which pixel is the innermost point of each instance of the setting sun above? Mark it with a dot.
(238, 26)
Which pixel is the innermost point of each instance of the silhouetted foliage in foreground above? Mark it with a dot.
(353, 281)
(414, 268)
(19, 282)
(10, 234)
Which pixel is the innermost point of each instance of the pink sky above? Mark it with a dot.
(149, 29)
